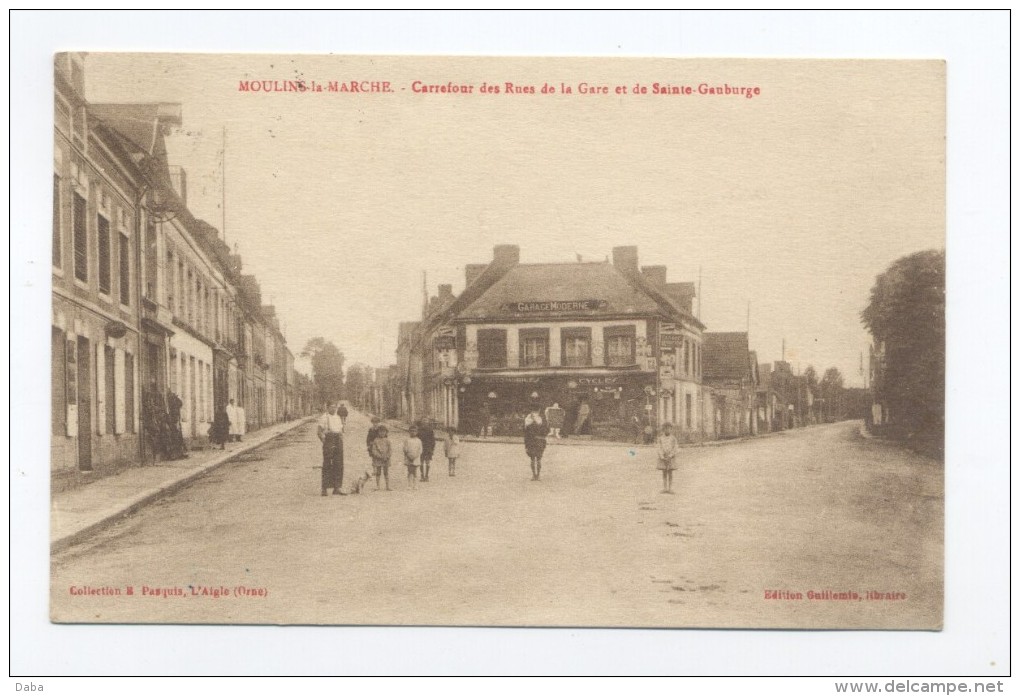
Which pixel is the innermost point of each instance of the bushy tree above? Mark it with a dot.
(327, 369)
(831, 390)
(358, 379)
(907, 316)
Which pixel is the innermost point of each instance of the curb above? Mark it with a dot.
(169, 488)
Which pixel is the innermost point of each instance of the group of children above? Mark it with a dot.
(418, 450)
(420, 444)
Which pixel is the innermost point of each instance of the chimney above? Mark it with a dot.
(235, 263)
(472, 271)
(656, 275)
(445, 293)
(506, 255)
(625, 260)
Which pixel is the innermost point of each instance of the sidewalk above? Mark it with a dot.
(75, 514)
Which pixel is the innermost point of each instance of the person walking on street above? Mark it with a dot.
(555, 417)
(412, 457)
(451, 448)
(237, 421)
(535, 431)
(178, 449)
(668, 447)
(331, 431)
(342, 412)
(380, 451)
(428, 446)
(219, 431)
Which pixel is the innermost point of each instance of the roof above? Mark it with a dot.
(593, 289)
(137, 123)
(726, 355)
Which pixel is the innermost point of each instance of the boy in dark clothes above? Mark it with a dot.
(428, 447)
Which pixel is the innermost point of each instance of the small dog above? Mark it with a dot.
(360, 483)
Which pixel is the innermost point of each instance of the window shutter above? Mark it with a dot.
(120, 395)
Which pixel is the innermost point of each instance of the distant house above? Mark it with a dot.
(731, 371)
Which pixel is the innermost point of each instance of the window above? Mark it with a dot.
(57, 238)
(171, 281)
(491, 348)
(58, 375)
(125, 270)
(687, 410)
(534, 348)
(103, 231)
(687, 357)
(109, 377)
(619, 342)
(576, 347)
(129, 392)
(81, 240)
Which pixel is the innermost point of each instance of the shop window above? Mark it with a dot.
(576, 349)
(534, 348)
(491, 348)
(103, 231)
(619, 345)
(81, 239)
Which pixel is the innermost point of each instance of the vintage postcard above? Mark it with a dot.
(460, 341)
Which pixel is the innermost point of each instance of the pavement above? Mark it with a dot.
(594, 543)
(77, 513)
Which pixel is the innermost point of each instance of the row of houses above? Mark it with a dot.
(614, 344)
(148, 300)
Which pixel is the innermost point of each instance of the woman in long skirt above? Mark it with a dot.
(536, 428)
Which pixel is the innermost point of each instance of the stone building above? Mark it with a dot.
(586, 336)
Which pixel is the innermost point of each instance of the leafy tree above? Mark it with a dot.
(830, 389)
(327, 368)
(359, 378)
(812, 378)
(907, 318)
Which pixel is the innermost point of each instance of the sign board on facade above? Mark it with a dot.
(671, 340)
(553, 306)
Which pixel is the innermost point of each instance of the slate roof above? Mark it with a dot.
(561, 282)
(726, 355)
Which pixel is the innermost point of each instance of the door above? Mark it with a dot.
(84, 405)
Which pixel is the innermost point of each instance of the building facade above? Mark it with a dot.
(585, 336)
(148, 301)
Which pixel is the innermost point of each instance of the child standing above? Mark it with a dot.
(668, 447)
(380, 451)
(451, 447)
(412, 457)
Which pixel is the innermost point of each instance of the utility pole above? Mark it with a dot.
(223, 186)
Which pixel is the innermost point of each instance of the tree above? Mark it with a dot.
(907, 318)
(812, 378)
(359, 378)
(327, 369)
(830, 389)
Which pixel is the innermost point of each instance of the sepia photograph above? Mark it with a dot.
(517, 343)
(498, 342)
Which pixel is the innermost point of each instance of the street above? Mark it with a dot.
(594, 543)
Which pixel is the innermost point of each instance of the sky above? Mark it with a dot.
(784, 206)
